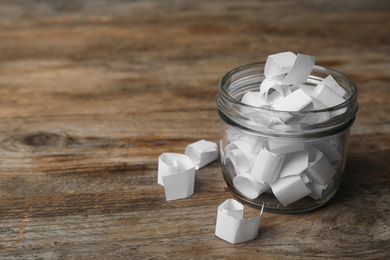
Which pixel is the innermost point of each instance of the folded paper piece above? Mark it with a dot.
(231, 225)
(252, 99)
(270, 92)
(321, 170)
(249, 186)
(202, 153)
(290, 189)
(327, 96)
(330, 82)
(293, 102)
(267, 166)
(300, 71)
(330, 152)
(283, 147)
(176, 172)
(279, 64)
(295, 163)
(318, 191)
(253, 143)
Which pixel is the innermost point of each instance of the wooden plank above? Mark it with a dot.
(92, 92)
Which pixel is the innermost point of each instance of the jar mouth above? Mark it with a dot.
(245, 78)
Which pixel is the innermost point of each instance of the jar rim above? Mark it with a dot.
(241, 79)
(351, 98)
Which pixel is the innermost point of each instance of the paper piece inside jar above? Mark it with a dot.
(279, 64)
(252, 99)
(327, 96)
(202, 153)
(246, 184)
(283, 147)
(321, 170)
(330, 82)
(300, 71)
(270, 92)
(240, 162)
(267, 166)
(330, 151)
(176, 172)
(231, 225)
(295, 163)
(318, 191)
(296, 101)
(290, 189)
(253, 143)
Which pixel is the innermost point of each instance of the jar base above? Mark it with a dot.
(272, 205)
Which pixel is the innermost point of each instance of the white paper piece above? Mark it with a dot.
(287, 127)
(318, 191)
(176, 172)
(308, 89)
(232, 134)
(252, 99)
(296, 101)
(253, 142)
(267, 166)
(330, 82)
(321, 170)
(295, 163)
(231, 225)
(246, 184)
(290, 189)
(327, 96)
(330, 151)
(270, 92)
(202, 153)
(279, 64)
(284, 147)
(240, 161)
(300, 71)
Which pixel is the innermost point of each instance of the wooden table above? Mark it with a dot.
(92, 92)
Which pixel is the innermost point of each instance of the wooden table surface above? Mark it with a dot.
(92, 92)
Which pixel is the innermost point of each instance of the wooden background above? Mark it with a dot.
(92, 92)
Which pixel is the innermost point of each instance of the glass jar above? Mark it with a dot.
(308, 148)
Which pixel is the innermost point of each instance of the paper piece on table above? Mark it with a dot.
(202, 153)
(318, 191)
(267, 166)
(283, 147)
(231, 225)
(252, 99)
(246, 184)
(327, 96)
(279, 64)
(321, 170)
(296, 101)
(294, 163)
(290, 189)
(176, 172)
(330, 82)
(300, 71)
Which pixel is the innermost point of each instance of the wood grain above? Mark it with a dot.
(92, 92)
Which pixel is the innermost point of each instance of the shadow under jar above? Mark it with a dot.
(306, 150)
